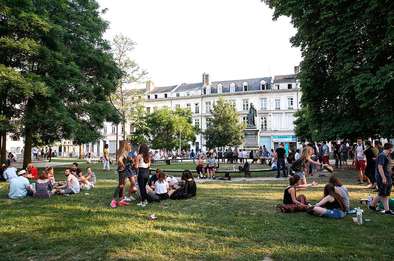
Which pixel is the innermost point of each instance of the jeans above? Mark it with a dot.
(281, 165)
(106, 164)
(143, 176)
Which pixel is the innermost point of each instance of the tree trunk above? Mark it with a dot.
(117, 142)
(3, 152)
(28, 146)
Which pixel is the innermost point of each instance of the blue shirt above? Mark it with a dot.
(18, 187)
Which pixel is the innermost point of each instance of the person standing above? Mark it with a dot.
(106, 157)
(383, 179)
(281, 164)
(325, 153)
(122, 165)
(142, 163)
(360, 159)
(193, 156)
(371, 154)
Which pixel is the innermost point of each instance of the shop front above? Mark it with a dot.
(290, 142)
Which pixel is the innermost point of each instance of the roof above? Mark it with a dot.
(285, 78)
(164, 89)
(187, 87)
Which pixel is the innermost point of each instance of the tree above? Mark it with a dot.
(168, 128)
(124, 96)
(73, 62)
(224, 128)
(347, 69)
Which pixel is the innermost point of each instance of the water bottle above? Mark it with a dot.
(369, 200)
(359, 215)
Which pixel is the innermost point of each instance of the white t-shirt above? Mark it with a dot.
(18, 187)
(360, 152)
(73, 183)
(161, 187)
(297, 156)
(10, 173)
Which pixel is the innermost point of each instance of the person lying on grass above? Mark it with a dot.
(292, 203)
(331, 206)
(72, 185)
(44, 187)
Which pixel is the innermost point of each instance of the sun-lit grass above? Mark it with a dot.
(226, 221)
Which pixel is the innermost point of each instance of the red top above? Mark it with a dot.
(34, 172)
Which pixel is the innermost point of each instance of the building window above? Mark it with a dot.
(178, 94)
(148, 109)
(177, 106)
(290, 102)
(277, 104)
(196, 108)
(263, 123)
(220, 88)
(155, 96)
(204, 91)
(244, 120)
(209, 122)
(232, 87)
(277, 86)
(188, 94)
(148, 97)
(113, 129)
(290, 86)
(197, 123)
(264, 104)
(165, 95)
(232, 103)
(189, 106)
(245, 104)
(245, 85)
(208, 107)
(262, 85)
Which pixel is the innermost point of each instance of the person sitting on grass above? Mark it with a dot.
(20, 186)
(91, 177)
(292, 203)
(72, 184)
(331, 206)
(187, 187)
(161, 189)
(32, 172)
(340, 190)
(44, 187)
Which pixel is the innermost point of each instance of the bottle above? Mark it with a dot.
(369, 200)
(359, 215)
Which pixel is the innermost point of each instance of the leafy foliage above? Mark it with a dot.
(224, 128)
(347, 77)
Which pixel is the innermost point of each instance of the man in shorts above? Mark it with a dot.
(360, 160)
(383, 179)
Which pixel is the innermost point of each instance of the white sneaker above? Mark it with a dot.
(141, 204)
(129, 199)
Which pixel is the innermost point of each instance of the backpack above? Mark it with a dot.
(297, 165)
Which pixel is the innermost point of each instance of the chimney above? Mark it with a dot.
(149, 86)
(205, 79)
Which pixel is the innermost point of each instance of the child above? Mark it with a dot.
(292, 203)
(44, 187)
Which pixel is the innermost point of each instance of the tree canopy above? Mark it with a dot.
(63, 55)
(224, 128)
(347, 72)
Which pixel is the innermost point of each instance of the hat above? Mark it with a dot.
(22, 172)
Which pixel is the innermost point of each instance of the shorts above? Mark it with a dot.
(384, 190)
(334, 213)
(130, 172)
(300, 174)
(360, 165)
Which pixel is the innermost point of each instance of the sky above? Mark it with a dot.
(179, 40)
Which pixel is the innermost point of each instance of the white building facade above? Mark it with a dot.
(276, 100)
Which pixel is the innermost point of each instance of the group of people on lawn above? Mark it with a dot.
(134, 165)
(30, 182)
(335, 202)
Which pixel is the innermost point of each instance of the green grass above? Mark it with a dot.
(226, 221)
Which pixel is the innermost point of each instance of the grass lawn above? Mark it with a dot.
(226, 221)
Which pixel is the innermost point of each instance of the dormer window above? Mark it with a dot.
(165, 95)
(204, 91)
(245, 86)
(155, 96)
(148, 97)
(232, 87)
(263, 85)
(290, 86)
(178, 94)
(220, 88)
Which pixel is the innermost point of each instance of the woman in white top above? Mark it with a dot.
(162, 187)
(142, 163)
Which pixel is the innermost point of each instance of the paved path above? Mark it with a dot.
(43, 164)
(240, 179)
